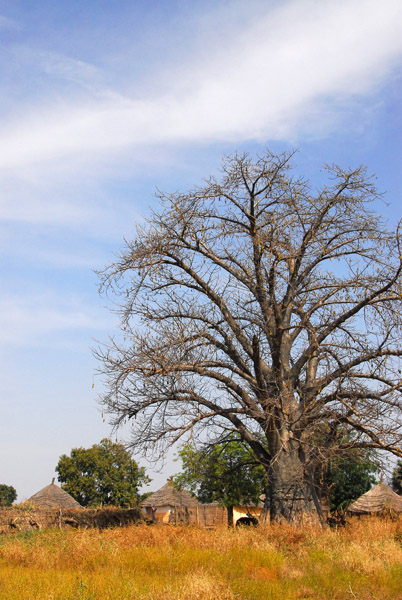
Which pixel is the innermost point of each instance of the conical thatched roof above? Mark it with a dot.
(168, 495)
(377, 500)
(52, 496)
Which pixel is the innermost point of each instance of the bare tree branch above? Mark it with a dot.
(255, 303)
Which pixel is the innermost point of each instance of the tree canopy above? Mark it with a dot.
(8, 495)
(348, 478)
(104, 474)
(259, 305)
(226, 473)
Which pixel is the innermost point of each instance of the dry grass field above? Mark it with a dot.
(362, 561)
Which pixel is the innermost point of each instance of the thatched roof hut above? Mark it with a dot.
(163, 505)
(168, 495)
(380, 499)
(52, 496)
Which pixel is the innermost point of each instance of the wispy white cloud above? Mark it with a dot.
(51, 200)
(33, 250)
(7, 24)
(19, 202)
(274, 75)
(41, 319)
(57, 66)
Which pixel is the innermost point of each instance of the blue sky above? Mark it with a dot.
(103, 102)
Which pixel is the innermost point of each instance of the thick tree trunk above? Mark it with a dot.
(230, 516)
(293, 497)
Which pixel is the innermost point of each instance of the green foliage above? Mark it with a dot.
(8, 495)
(397, 478)
(104, 474)
(348, 478)
(226, 473)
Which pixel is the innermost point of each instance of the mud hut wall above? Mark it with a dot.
(23, 519)
(16, 519)
(203, 515)
(162, 514)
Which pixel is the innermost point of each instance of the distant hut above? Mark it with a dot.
(162, 503)
(379, 500)
(52, 496)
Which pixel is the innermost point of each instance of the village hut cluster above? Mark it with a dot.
(54, 507)
(167, 505)
(172, 505)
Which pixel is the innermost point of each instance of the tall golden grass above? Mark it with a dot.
(362, 561)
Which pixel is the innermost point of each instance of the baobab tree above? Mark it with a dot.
(257, 305)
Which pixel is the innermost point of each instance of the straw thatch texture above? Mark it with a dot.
(52, 496)
(380, 499)
(168, 495)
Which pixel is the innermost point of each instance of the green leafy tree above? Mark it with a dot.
(348, 478)
(397, 478)
(104, 474)
(8, 495)
(226, 472)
